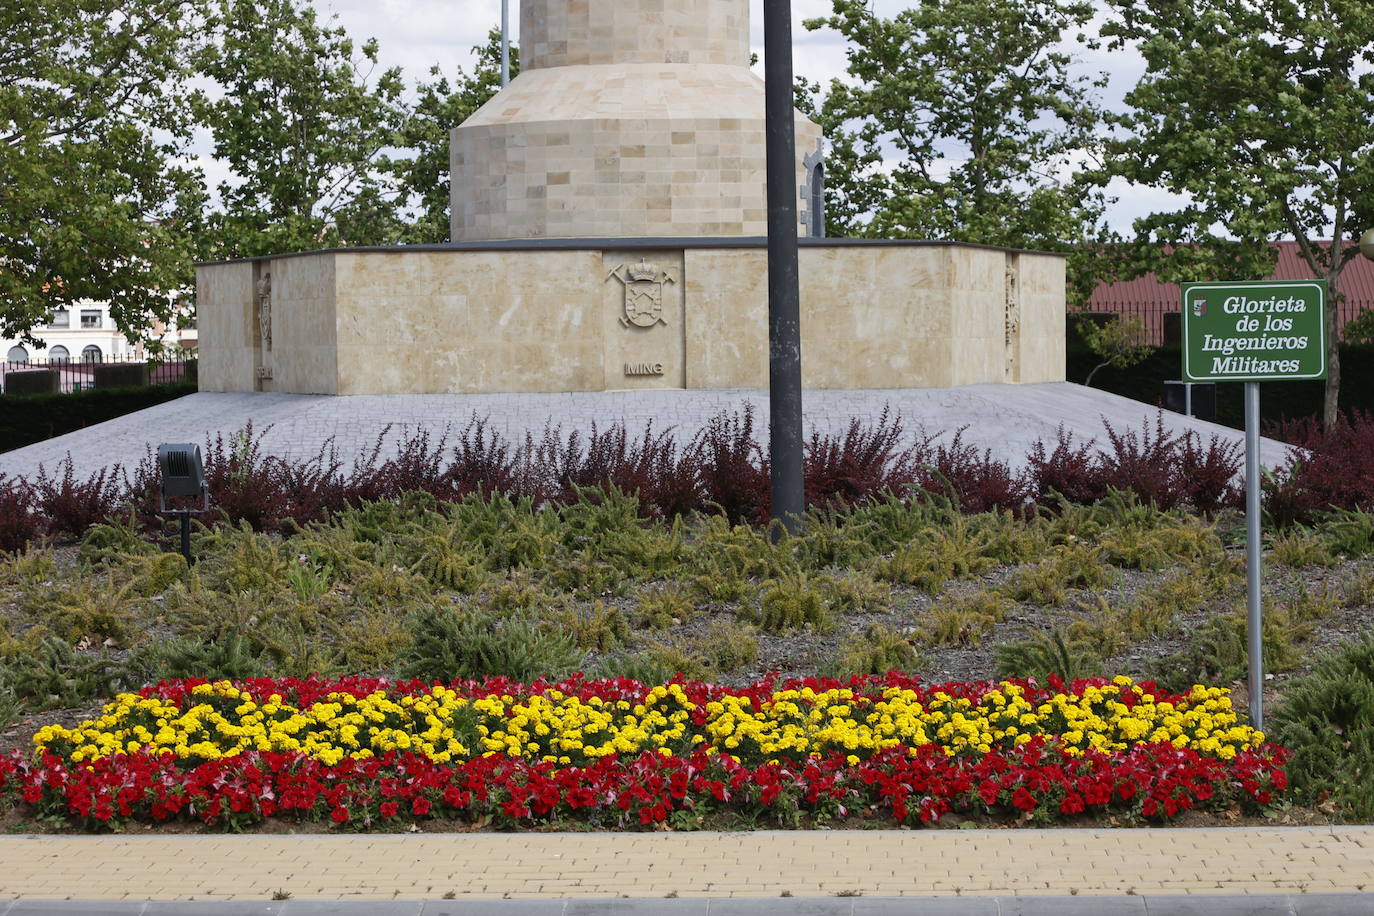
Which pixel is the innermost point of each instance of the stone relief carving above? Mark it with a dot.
(643, 284)
(1013, 309)
(1012, 319)
(265, 308)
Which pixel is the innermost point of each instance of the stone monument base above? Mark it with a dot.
(558, 315)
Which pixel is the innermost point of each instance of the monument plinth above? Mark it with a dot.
(608, 216)
(629, 118)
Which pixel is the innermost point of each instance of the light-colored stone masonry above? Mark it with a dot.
(627, 314)
(629, 118)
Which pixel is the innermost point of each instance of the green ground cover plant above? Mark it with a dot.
(1327, 720)
(492, 583)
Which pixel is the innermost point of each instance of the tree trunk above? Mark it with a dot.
(1331, 401)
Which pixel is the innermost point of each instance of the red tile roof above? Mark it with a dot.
(1148, 297)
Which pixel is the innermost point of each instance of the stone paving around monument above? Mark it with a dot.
(1008, 419)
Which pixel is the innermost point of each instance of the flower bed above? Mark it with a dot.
(615, 753)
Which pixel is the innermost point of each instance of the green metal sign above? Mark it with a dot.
(1254, 332)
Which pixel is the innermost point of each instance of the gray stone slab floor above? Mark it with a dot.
(1007, 419)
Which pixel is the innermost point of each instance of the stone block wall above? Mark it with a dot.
(589, 316)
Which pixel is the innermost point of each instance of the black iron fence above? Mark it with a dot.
(80, 374)
(1164, 323)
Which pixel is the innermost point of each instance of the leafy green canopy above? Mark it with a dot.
(1259, 111)
(961, 120)
(98, 104)
(95, 200)
(301, 128)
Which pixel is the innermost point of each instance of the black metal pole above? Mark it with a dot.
(186, 537)
(784, 310)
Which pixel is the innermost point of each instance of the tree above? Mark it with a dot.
(303, 128)
(94, 201)
(1260, 112)
(440, 106)
(1119, 342)
(962, 121)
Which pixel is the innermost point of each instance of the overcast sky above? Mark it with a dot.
(417, 34)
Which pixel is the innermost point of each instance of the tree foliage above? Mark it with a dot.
(96, 200)
(302, 127)
(1120, 342)
(961, 120)
(1259, 111)
(422, 174)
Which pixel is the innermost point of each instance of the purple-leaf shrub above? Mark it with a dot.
(735, 470)
(1332, 468)
(19, 520)
(973, 479)
(1070, 470)
(1209, 475)
(864, 462)
(1144, 464)
(72, 506)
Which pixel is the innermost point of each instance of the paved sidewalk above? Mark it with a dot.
(1005, 864)
(1140, 905)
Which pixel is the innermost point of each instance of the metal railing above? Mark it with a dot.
(79, 374)
(1161, 316)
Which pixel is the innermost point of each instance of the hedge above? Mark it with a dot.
(25, 419)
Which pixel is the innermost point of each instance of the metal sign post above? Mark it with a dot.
(1254, 618)
(505, 43)
(1254, 332)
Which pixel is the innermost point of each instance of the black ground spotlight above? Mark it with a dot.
(183, 475)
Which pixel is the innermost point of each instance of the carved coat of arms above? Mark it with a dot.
(643, 284)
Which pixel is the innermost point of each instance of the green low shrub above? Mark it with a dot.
(49, 673)
(964, 620)
(1349, 533)
(1047, 583)
(1046, 653)
(794, 602)
(1300, 547)
(229, 657)
(729, 646)
(656, 663)
(856, 593)
(937, 555)
(881, 649)
(660, 608)
(456, 643)
(1327, 720)
(599, 627)
(1218, 651)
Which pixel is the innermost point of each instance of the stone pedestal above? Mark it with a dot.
(589, 315)
(628, 118)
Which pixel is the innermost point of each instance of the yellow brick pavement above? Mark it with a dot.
(765, 863)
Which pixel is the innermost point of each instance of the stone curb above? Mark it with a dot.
(1082, 905)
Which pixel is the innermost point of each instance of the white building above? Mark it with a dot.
(86, 332)
(78, 337)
